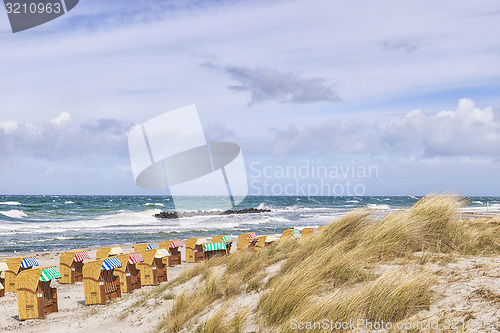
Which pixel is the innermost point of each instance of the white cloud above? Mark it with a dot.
(9, 126)
(62, 120)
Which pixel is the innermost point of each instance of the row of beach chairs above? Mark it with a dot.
(115, 272)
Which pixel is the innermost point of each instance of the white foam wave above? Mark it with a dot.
(14, 213)
(10, 203)
(352, 201)
(477, 202)
(149, 204)
(379, 207)
(69, 202)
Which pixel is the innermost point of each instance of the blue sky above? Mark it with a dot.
(411, 88)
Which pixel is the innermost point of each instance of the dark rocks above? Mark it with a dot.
(175, 215)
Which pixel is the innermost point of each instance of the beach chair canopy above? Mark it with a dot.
(29, 262)
(175, 243)
(111, 263)
(201, 241)
(270, 239)
(227, 239)
(152, 246)
(135, 258)
(50, 273)
(161, 253)
(81, 256)
(3, 266)
(296, 233)
(214, 246)
(116, 250)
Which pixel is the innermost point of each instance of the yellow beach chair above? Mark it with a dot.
(224, 238)
(71, 265)
(99, 282)
(145, 246)
(153, 269)
(17, 265)
(129, 274)
(173, 248)
(247, 241)
(108, 252)
(266, 241)
(194, 249)
(290, 234)
(35, 297)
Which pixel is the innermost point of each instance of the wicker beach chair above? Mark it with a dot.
(173, 248)
(247, 241)
(214, 249)
(194, 249)
(309, 232)
(71, 266)
(3, 268)
(266, 241)
(17, 265)
(128, 273)
(153, 269)
(145, 246)
(35, 297)
(224, 238)
(108, 252)
(290, 234)
(99, 282)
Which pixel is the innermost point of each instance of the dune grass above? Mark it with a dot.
(334, 274)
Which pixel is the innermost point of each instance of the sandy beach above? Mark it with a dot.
(463, 291)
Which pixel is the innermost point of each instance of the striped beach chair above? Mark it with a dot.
(71, 265)
(35, 297)
(247, 241)
(224, 238)
(128, 272)
(99, 282)
(17, 265)
(145, 246)
(213, 249)
(173, 248)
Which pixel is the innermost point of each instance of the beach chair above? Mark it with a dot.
(247, 241)
(266, 241)
(173, 247)
(99, 282)
(128, 273)
(17, 265)
(194, 249)
(153, 269)
(145, 246)
(309, 232)
(108, 252)
(224, 238)
(3, 268)
(71, 266)
(214, 249)
(290, 234)
(321, 228)
(35, 297)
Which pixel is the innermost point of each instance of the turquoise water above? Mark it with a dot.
(38, 223)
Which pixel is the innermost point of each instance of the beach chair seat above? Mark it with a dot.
(194, 249)
(99, 282)
(247, 241)
(71, 266)
(35, 297)
(173, 248)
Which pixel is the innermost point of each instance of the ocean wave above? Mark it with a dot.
(352, 201)
(149, 204)
(478, 202)
(69, 202)
(10, 203)
(14, 213)
(379, 207)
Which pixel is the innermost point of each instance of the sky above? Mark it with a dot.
(363, 98)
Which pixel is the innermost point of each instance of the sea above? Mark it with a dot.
(33, 223)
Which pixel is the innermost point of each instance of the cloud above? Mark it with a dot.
(467, 131)
(406, 45)
(266, 84)
(59, 140)
(62, 120)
